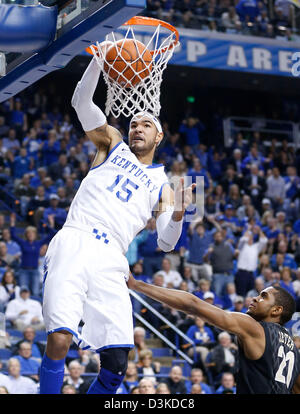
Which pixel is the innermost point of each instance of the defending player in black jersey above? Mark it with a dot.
(269, 359)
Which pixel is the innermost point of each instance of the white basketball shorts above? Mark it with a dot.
(85, 280)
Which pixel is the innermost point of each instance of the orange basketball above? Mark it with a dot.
(128, 60)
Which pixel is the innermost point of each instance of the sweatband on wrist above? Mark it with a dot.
(168, 231)
(89, 114)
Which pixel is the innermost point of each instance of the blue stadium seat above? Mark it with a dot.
(5, 353)
(15, 332)
(161, 352)
(40, 336)
(165, 370)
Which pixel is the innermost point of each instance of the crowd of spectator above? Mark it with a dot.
(250, 17)
(248, 238)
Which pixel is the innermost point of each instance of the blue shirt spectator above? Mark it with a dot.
(198, 171)
(21, 164)
(247, 10)
(59, 214)
(199, 333)
(200, 239)
(50, 150)
(191, 129)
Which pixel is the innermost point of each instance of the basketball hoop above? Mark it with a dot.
(143, 95)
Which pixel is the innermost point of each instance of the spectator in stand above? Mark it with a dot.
(200, 240)
(29, 366)
(152, 255)
(255, 186)
(59, 214)
(205, 292)
(223, 356)
(9, 289)
(29, 274)
(242, 210)
(198, 171)
(221, 256)
(276, 189)
(271, 230)
(196, 389)
(68, 389)
(21, 164)
(234, 196)
(146, 367)
(292, 183)
(131, 378)
(37, 347)
(162, 388)
(18, 384)
(9, 259)
(247, 10)
(259, 285)
(36, 206)
(288, 260)
(60, 170)
(172, 278)
(227, 384)
(75, 378)
(139, 335)
(238, 305)
(24, 192)
(247, 262)
(230, 219)
(192, 129)
(196, 377)
(203, 337)
(50, 148)
(12, 247)
(286, 281)
(146, 386)
(237, 162)
(230, 296)
(10, 142)
(24, 311)
(204, 286)
(175, 381)
(230, 20)
(4, 128)
(187, 275)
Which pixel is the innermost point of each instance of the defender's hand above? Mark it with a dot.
(131, 282)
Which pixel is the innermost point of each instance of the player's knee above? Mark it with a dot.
(58, 344)
(113, 367)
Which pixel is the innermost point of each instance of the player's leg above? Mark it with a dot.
(53, 362)
(113, 369)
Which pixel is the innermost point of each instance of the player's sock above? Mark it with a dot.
(105, 383)
(51, 375)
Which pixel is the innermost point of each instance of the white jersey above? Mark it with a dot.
(119, 194)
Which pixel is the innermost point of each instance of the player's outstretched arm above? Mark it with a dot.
(91, 117)
(250, 332)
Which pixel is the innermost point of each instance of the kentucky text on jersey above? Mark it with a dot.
(286, 339)
(135, 170)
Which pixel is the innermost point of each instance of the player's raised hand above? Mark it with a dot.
(183, 196)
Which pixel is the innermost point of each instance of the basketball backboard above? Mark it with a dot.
(79, 24)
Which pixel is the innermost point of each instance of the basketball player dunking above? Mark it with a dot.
(85, 267)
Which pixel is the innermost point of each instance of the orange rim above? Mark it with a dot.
(148, 21)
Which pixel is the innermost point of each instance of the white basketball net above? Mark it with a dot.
(145, 95)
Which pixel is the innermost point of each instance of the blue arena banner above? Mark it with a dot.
(232, 52)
